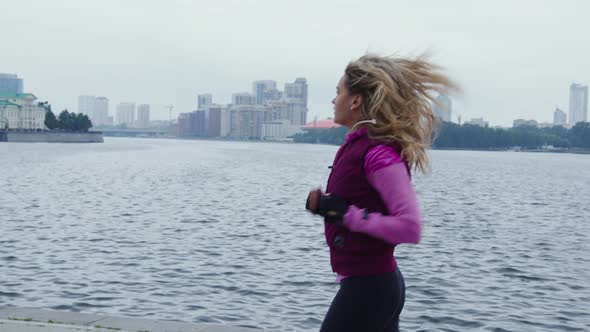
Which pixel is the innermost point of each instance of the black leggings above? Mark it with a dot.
(367, 304)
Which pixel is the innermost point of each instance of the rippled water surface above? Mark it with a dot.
(210, 231)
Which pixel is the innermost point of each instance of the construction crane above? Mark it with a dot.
(169, 107)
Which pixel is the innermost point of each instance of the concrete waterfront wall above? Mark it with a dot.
(51, 137)
(16, 319)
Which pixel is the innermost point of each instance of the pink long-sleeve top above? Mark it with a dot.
(388, 174)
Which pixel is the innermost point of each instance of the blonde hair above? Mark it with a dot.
(396, 93)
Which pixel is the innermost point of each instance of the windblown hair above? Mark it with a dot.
(396, 92)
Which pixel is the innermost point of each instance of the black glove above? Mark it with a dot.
(333, 208)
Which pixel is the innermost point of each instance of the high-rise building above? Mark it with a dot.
(578, 104)
(271, 95)
(264, 90)
(296, 92)
(299, 115)
(97, 109)
(203, 101)
(125, 114)
(100, 116)
(214, 121)
(281, 110)
(251, 123)
(246, 121)
(559, 117)
(225, 127)
(242, 98)
(184, 124)
(443, 108)
(86, 105)
(192, 124)
(10, 84)
(143, 116)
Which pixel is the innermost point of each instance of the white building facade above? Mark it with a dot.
(478, 122)
(20, 111)
(559, 118)
(143, 116)
(96, 108)
(126, 114)
(279, 130)
(100, 116)
(443, 108)
(578, 104)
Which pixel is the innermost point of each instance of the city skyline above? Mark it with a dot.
(548, 114)
(265, 91)
(97, 108)
(442, 107)
(513, 59)
(264, 113)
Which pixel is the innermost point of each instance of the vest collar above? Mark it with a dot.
(356, 134)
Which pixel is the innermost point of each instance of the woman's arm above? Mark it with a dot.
(388, 175)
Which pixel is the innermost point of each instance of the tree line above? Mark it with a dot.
(453, 136)
(322, 136)
(65, 121)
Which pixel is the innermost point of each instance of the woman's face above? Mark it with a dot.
(346, 106)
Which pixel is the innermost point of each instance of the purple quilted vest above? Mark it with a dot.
(351, 253)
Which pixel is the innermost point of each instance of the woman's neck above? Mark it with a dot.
(360, 124)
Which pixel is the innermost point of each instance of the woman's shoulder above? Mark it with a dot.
(382, 155)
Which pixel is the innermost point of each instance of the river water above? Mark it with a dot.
(211, 231)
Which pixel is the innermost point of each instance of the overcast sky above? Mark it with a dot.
(514, 59)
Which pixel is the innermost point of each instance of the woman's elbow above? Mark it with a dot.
(415, 232)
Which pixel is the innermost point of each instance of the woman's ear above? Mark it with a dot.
(357, 100)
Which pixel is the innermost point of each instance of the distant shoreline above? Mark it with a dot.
(572, 151)
(50, 137)
(555, 150)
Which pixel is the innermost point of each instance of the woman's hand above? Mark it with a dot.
(332, 207)
(313, 200)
